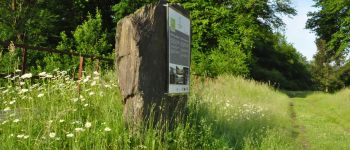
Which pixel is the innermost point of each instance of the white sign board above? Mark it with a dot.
(179, 46)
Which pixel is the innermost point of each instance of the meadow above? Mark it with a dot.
(224, 113)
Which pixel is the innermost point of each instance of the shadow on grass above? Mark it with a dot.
(298, 94)
(237, 132)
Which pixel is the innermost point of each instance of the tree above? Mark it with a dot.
(25, 21)
(126, 7)
(88, 38)
(236, 37)
(324, 72)
(278, 62)
(331, 23)
(224, 26)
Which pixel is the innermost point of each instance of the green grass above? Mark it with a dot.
(325, 120)
(224, 113)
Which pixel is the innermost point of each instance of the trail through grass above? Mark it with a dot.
(324, 120)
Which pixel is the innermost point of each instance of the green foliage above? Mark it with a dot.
(126, 7)
(324, 118)
(89, 38)
(236, 37)
(26, 21)
(225, 33)
(325, 74)
(279, 63)
(331, 24)
(9, 59)
(227, 59)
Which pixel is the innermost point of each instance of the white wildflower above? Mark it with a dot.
(4, 122)
(20, 136)
(96, 78)
(93, 83)
(12, 102)
(87, 124)
(50, 121)
(96, 73)
(40, 95)
(3, 92)
(17, 70)
(76, 122)
(52, 135)
(23, 91)
(86, 105)
(70, 135)
(7, 109)
(27, 75)
(8, 76)
(16, 120)
(86, 79)
(107, 129)
(61, 120)
(26, 136)
(79, 129)
(91, 93)
(22, 83)
(49, 76)
(42, 74)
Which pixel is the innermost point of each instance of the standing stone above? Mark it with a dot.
(141, 51)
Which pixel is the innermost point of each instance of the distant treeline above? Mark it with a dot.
(239, 37)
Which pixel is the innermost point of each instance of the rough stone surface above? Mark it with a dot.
(141, 51)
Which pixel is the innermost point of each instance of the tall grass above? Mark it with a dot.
(224, 113)
(247, 114)
(48, 113)
(325, 120)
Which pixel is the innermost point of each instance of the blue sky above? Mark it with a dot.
(302, 39)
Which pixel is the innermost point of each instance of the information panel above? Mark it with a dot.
(179, 37)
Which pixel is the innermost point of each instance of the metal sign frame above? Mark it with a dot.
(177, 73)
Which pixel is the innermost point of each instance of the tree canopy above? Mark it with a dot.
(331, 23)
(239, 37)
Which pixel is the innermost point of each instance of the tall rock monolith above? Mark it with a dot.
(141, 52)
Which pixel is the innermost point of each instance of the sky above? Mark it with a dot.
(302, 39)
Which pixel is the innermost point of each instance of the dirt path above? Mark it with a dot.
(298, 131)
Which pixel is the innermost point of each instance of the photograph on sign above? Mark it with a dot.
(179, 51)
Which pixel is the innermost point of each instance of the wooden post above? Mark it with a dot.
(80, 73)
(24, 61)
